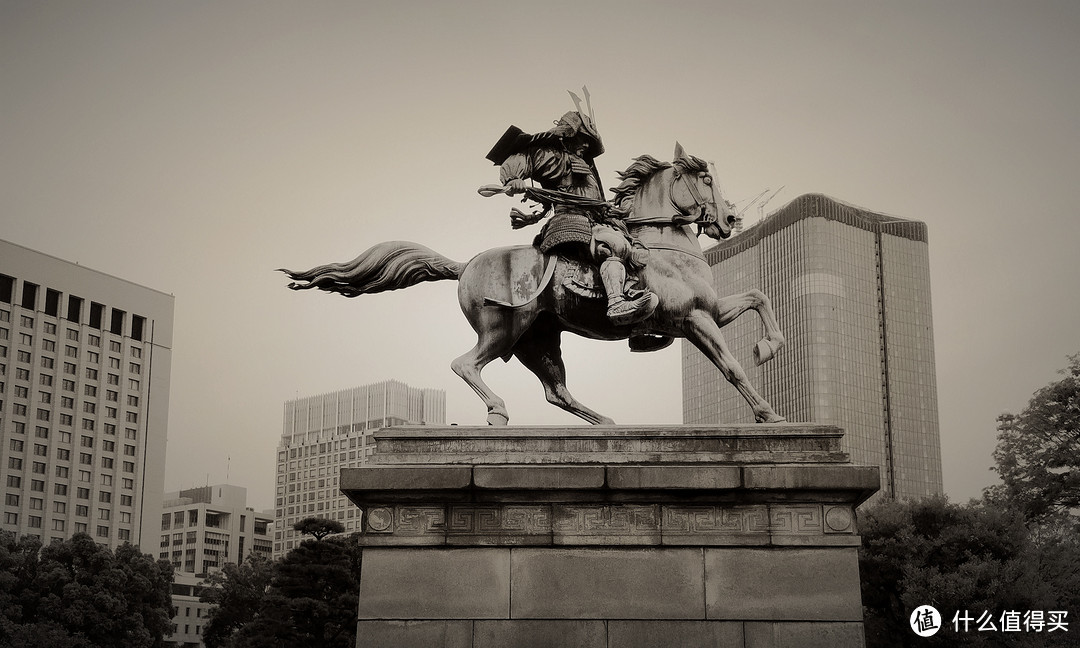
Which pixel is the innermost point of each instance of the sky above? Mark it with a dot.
(194, 147)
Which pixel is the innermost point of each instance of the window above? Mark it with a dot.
(16, 445)
(82, 493)
(131, 417)
(11, 518)
(89, 390)
(72, 334)
(133, 384)
(91, 374)
(37, 485)
(105, 497)
(47, 363)
(133, 400)
(84, 476)
(110, 412)
(67, 402)
(69, 368)
(106, 462)
(102, 531)
(58, 525)
(23, 356)
(124, 534)
(19, 409)
(36, 504)
(106, 480)
(39, 467)
(86, 458)
(22, 374)
(14, 463)
(11, 499)
(60, 489)
(110, 429)
(59, 507)
(129, 484)
(80, 527)
(108, 446)
(88, 424)
(45, 380)
(48, 345)
(35, 522)
(95, 340)
(129, 467)
(134, 368)
(130, 433)
(103, 513)
(89, 408)
(125, 500)
(114, 379)
(41, 450)
(43, 414)
(114, 346)
(86, 442)
(71, 352)
(62, 471)
(136, 352)
(82, 510)
(110, 395)
(68, 385)
(93, 356)
(114, 363)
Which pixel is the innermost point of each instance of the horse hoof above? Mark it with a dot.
(771, 418)
(765, 351)
(498, 419)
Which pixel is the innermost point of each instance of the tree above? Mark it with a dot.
(974, 557)
(318, 527)
(1038, 452)
(236, 593)
(81, 595)
(312, 599)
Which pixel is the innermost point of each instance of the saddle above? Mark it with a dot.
(533, 271)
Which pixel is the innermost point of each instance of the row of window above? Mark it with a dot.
(74, 311)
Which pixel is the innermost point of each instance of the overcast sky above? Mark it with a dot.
(194, 147)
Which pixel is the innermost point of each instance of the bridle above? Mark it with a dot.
(700, 204)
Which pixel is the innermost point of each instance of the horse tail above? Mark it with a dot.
(391, 265)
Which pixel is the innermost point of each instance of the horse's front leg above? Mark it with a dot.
(704, 332)
(729, 308)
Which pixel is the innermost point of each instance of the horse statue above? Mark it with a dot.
(519, 302)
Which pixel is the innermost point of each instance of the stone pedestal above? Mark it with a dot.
(610, 537)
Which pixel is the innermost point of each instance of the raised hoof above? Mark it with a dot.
(498, 419)
(771, 418)
(765, 351)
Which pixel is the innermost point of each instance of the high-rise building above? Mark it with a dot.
(85, 360)
(323, 434)
(851, 290)
(201, 530)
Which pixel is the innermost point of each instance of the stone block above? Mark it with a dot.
(826, 634)
(395, 478)
(620, 583)
(670, 634)
(818, 584)
(499, 524)
(435, 583)
(527, 633)
(414, 634)
(539, 477)
(793, 477)
(701, 477)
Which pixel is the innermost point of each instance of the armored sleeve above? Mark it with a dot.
(546, 166)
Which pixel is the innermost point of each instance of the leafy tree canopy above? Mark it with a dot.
(236, 592)
(78, 594)
(1038, 452)
(318, 527)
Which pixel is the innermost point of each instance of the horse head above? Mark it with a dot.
(696, 196)
(683, 192)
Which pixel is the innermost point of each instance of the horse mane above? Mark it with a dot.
(641, 169)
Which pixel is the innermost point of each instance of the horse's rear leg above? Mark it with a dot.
(490, 344)
(540, 351)
(731, 307)
(703, 331)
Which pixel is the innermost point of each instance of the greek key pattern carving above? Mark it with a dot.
(419, 520)
(499, 520)
(712, 520)
(795, 520)
(607, 520)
